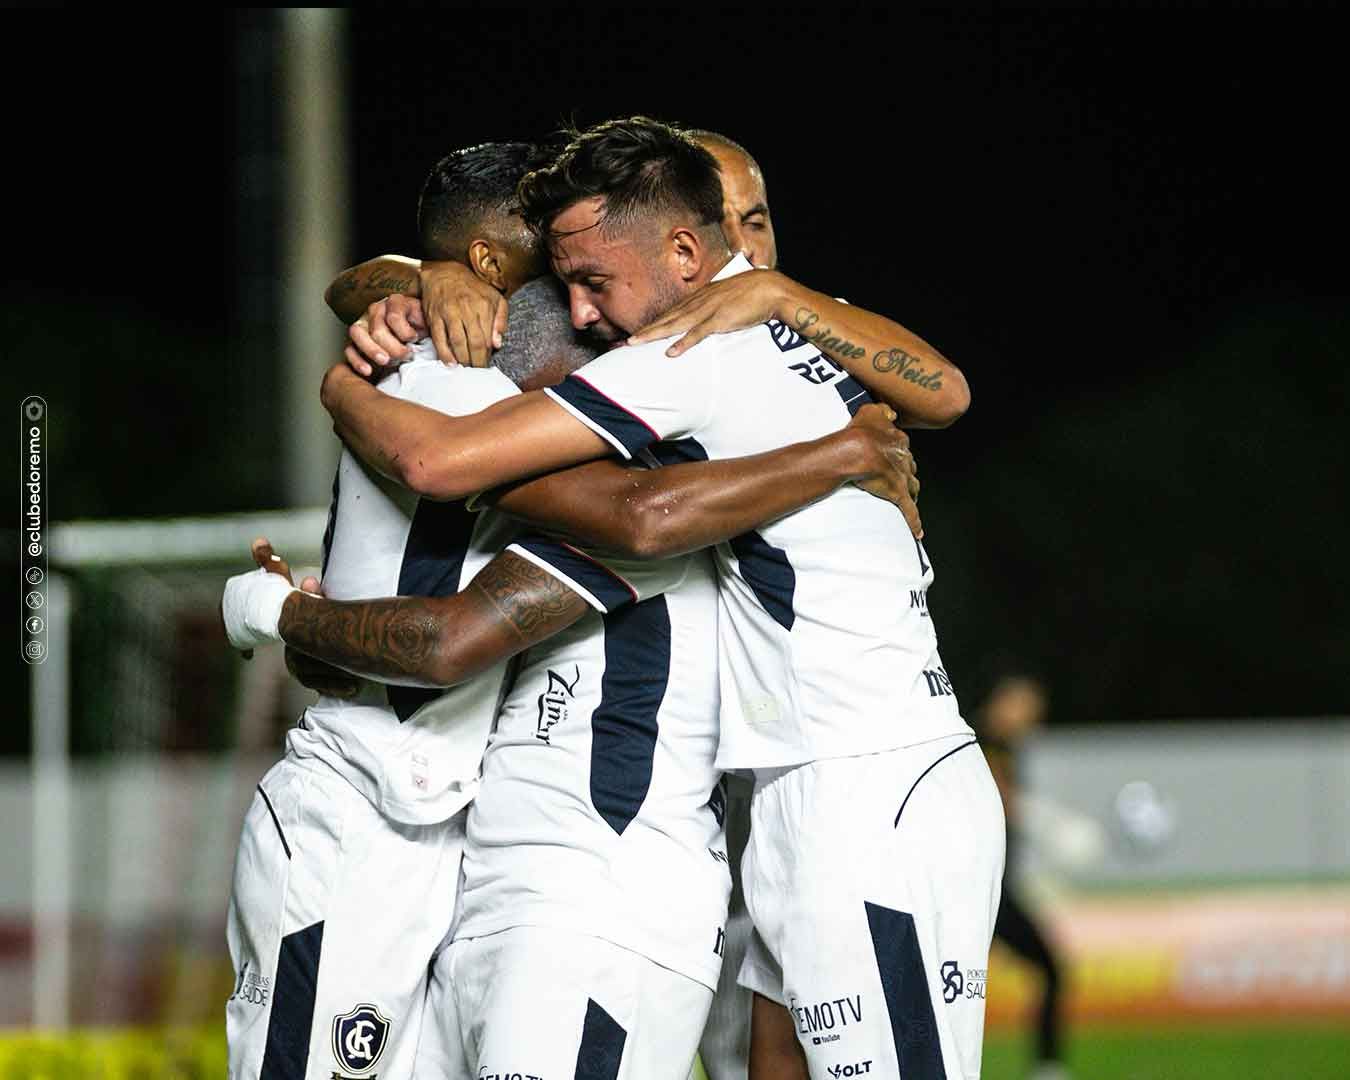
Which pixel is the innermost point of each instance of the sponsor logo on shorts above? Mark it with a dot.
(957, 984)
(858, 1068)
(483, 1074)
(553, 703)
(252, 987)
(820, 1020)
(359, 1038)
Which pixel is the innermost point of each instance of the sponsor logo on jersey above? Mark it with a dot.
(953, 984)
(939, 684)
(957, 984)
(251, 987)
(359, 1038)
(820, 1020)
(483, 1074)
(858, 1068)
(554, 702)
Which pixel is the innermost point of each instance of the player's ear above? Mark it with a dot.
(487, 264)
(687, 250)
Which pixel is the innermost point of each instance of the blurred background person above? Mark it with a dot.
(1015, 711)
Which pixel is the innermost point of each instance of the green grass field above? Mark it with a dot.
(1228, 1052)
(1231, 1051)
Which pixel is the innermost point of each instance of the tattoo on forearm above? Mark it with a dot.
(394, 637)
(823, 338)
(902, 363)
(530, 599)
(908, 368)
(386, 280)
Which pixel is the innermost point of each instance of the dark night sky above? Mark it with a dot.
(1127, 228)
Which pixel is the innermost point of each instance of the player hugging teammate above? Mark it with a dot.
(718, 589)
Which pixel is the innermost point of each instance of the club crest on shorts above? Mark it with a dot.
(359, 1038)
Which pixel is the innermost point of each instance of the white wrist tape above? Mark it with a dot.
(252, 607)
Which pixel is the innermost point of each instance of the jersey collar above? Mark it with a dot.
(737, 264)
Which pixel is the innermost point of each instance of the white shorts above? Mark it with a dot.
(538, 1003)
(334, 918)
(873, 883)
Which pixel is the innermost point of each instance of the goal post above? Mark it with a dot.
(147, 735)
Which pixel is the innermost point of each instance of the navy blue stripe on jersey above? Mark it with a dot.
(853, 394)
(904, 984)
(284, 846)
(770, 576)
(631, 431)
(597, 579)
(288, 1028)
(332, 520)
(433, 559)
(601, 1048)
(406, 700)
(624, 725)
(675, 451)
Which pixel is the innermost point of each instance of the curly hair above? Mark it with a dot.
(638, 165)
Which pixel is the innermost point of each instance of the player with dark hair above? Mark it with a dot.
(398, 761)
(877, 839)
(747, 223)
(460, 293)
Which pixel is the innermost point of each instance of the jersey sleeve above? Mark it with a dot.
(637, 395)
(608, 584)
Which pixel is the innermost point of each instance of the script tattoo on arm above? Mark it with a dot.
(907, 367)
(823, 338)
(532, 601)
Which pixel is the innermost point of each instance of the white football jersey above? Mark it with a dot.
(600, 809)
(413, 751)
(827, 645)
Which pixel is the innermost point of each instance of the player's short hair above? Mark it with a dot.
(540, 338)
(469, 190)
(640, 166)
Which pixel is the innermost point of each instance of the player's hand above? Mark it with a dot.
(466, 315)
(250, 608)
(381, 335)
(733, 303)
(892, 473)
(314, 674)
(269, 560)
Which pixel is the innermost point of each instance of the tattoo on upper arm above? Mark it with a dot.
(908, 368)
(380, 637)
(532, 600)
